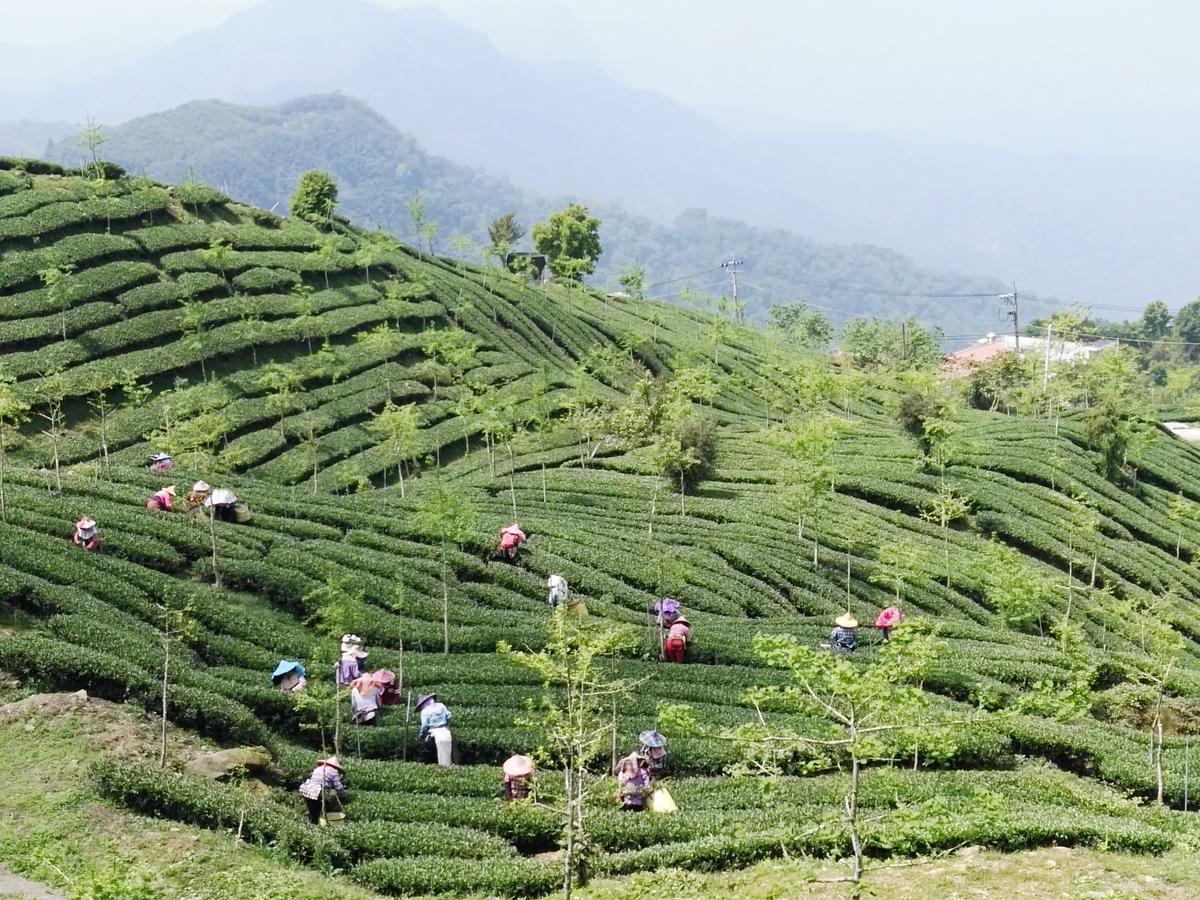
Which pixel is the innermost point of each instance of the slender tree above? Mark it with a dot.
(14, 412)
(448, 517)
(504, 233)
(573, 717)
(398, 428)
(60, 291)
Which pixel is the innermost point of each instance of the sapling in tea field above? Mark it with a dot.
(574, 714)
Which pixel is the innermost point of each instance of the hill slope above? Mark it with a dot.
(259, 153)
(562, 440)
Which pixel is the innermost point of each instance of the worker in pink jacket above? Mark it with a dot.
(680, 635)
(162, 500)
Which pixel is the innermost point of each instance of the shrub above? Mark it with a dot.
(493, 877)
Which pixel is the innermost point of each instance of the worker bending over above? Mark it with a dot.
(435, 727)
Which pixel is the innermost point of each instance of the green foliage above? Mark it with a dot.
(798, 324)
(504, 233)
(315, 198)
(571, 241)
(874, 344)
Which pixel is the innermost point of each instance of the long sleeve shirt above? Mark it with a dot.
(844, 639)
(433, 715)
(322, 778)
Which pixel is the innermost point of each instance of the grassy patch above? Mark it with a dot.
(54, 829)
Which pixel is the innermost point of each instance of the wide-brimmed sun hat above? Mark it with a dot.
(85, 524)
(332, 761)
(889, 617)
(845, 620)
(201, 487)
(425, 698)
(159, 457)
(652, 739)
(285, 666)
(517, 766)
(169, 489)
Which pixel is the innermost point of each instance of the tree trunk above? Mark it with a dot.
(852, 813)
(1158, 746)
(3, 460)
(682, 491)
(445, 606)
(569, 835)
(162, 747)
(544, 500)
(400, 476)
(212, 532)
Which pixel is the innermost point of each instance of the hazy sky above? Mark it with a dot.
(860, 64)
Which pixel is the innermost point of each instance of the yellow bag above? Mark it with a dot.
(578, 609)
(661, 801)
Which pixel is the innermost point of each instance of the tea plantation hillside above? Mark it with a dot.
(266, 354)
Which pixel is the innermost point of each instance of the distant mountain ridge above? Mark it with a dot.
(256, 154)
(1095, 227)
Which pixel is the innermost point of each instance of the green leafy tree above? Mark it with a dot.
(14, 412)
(60, 290)
(306, 321)
(570, 239)
(1187, 329)
(175, 623)
(449, 517)
(92, 138)
(1182, 511)
(340, 607)
(280, 383)
(315, 198)
(798, 324)
(633, 280)
(874, 343)
(371, 252)
(399, 429)
(51, 399)
(216, 256)
(808, 469)
(424, 228)
(946, 508)
(860, 714)
(327, 256)
(102, 406)
(900, 561)
(504, 233)
(1155, 323)
(1019, 591)
(574, 717)
(450, 349)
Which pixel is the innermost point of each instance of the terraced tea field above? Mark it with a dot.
(136, 316)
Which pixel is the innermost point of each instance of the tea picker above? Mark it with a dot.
(518, 774)
(162, 500)
(160, 463)
(508, 548)
(288, 676)
(87, 534)
(324, 793)
(435, 726)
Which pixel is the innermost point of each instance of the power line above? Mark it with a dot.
(683, 277)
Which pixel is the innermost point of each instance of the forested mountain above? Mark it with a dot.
(1093, 226)
(259, 153)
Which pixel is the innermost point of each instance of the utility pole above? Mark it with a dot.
(1011, 300)
(732, 265)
